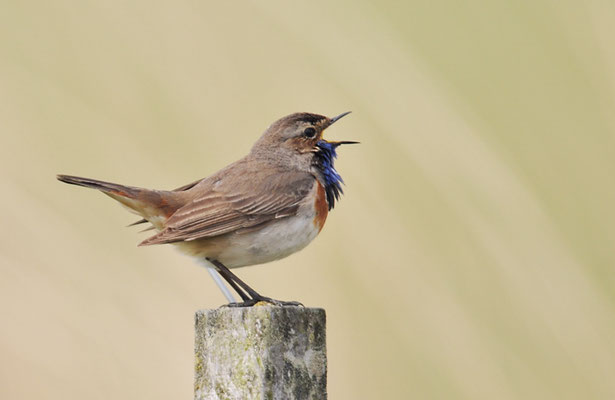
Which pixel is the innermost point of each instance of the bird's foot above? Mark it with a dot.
(262, 301)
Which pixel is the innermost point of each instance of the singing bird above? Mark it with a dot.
(267, 205)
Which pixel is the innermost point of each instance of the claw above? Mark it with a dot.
(263, 301)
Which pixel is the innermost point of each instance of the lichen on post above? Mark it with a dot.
(261, 352)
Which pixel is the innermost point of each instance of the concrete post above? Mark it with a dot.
(260, 352)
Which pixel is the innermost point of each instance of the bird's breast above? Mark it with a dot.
(321, 206)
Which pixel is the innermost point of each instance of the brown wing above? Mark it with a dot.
(236, 200)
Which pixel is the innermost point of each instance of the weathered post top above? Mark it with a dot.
(261, 352)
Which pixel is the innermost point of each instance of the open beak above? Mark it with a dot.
(332, 121)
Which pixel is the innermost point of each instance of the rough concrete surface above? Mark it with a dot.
(260, 352)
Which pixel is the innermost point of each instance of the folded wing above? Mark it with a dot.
(229, 202)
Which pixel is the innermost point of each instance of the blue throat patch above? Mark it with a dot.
(323, 161)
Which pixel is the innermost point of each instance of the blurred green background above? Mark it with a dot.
(471, 257)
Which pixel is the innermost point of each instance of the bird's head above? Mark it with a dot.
(296, 141)
(297, 134)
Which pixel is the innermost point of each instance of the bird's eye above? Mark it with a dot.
(309, 132)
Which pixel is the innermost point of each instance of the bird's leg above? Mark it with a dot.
(239, 291)
(237, 284)
(222, 285)
(228, 279)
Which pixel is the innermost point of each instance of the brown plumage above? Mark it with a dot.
(225, 217)
(236, 199)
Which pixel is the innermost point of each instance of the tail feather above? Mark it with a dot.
(120, 190)
(155, 206)
(141, 221)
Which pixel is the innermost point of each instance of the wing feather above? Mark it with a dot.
(236, 202)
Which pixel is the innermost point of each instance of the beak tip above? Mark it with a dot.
(339, 116)
(338, 143)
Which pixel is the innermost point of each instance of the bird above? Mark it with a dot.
(266, 206)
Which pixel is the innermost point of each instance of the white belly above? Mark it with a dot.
(276, 240)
